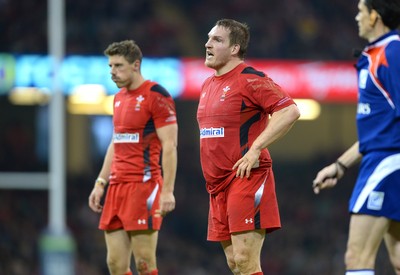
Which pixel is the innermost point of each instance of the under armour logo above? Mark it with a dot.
(248, 221)
(141, 221)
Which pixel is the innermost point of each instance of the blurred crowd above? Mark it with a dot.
(296, 29)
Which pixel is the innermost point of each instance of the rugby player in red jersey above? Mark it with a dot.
(139, 194)
(240, 113)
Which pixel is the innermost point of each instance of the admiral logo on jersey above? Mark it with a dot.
(126, 138)
(212, 132)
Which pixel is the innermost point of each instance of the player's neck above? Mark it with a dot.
(228, 67)
(136, 82)
(378, 31)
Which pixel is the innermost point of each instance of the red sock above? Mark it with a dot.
(154, 272)
(258, 273)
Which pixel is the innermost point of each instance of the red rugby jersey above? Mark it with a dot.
(137, 114)
(233, 111)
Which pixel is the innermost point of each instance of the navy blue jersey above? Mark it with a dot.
(378, 112)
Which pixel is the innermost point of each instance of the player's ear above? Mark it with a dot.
(136, 65)
(235, 49)
(373, 17)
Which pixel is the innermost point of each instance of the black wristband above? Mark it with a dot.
(341, 165)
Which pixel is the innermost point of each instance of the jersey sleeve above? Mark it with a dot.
(163, 107)
(264, 92)
(389, 74)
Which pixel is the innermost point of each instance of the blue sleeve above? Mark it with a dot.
(390, 74)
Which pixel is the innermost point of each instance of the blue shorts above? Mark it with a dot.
(377, 190)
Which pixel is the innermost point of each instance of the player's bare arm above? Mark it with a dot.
(98, 189)
(168, 136)
(329, 175)
(279, 124)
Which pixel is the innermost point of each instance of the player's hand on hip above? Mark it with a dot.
(246, 163)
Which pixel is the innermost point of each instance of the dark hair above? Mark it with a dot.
(239, 34)
(389, 11)
(127, 48)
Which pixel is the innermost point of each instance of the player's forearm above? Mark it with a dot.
(279, 124)
(106, 168)
(169, 166)
(350, 156)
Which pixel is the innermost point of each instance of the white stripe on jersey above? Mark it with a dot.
(375, 80)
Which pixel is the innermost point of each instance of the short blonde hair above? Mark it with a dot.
(127, 48)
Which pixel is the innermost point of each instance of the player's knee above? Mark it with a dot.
(116, 266)
(359, 259)
(351, 259)
(232, 265)
(143, 266)
(242, 261)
